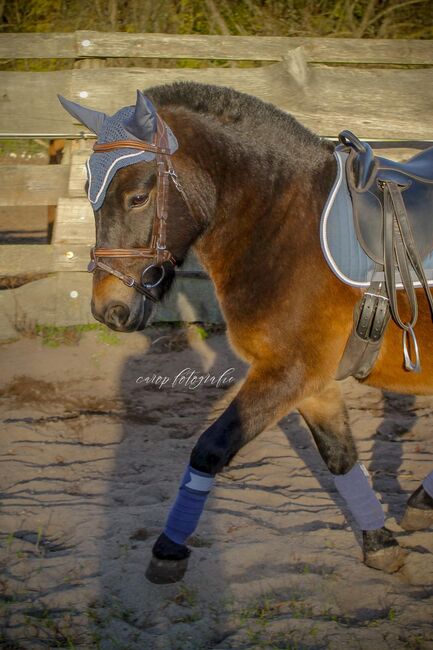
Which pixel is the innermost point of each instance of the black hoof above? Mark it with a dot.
(381, 550)
(419, 511)
(169, 562)
(375, 540)
(165, 572)
(420, 499)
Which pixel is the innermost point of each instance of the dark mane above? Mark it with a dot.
(245, 115)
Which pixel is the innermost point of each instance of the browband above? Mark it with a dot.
(130, 144)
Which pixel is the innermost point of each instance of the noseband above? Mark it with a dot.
(157, 251)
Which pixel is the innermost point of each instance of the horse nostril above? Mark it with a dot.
(116, 315)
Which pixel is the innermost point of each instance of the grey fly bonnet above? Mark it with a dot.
(137, 122)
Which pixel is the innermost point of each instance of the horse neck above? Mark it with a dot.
(251, 202)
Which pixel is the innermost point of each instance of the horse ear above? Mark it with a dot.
(92, 119)
(143, 122)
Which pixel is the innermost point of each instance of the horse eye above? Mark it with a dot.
(139, 199)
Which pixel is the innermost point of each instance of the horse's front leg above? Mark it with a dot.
(327, 419)
(267, 394)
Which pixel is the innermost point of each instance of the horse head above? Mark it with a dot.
(142, 217)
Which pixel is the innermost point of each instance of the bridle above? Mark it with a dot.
(157, 251)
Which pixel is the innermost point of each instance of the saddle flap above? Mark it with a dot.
(368, 214)
(366, 175)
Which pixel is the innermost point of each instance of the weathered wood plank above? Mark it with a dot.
(324, 99)
(16, 260)
(254, 48)
(61, 299)
(78, 173)
(74, 222)
(179, 46)
(37, 46)
(394, 104)
(361, 51)
(29, 102)
(64, 299)
(32, 184)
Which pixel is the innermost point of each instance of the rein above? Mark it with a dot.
(157, 252)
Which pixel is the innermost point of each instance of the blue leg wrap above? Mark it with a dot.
(428, 484)
(361, 500)
(186, 511)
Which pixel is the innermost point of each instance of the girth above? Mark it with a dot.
(157, 252)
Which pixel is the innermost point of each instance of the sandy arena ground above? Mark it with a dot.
(91, 460)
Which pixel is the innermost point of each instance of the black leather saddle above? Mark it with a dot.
(367, 175)
(393, 220)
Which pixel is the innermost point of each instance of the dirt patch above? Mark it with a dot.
(27, 389)
(92, 457)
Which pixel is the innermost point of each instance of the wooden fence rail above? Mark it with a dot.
(83, 44)
(380, 89)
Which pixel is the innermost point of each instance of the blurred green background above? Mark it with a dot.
(364, 19)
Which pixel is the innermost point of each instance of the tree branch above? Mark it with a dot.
(360, 30)
(393, 8)
(217, 18)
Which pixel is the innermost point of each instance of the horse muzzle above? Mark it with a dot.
(119, 316)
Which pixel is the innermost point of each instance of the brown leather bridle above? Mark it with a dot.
(157, 251)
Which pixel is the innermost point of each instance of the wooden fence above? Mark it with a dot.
(380, 89)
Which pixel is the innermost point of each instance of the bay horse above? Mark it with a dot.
(249, 186)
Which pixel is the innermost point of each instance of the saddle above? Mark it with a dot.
(393, 219)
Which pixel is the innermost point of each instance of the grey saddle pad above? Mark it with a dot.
(340, 246)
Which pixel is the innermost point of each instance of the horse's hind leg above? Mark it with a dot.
(327, 419)
(419, 509)
(267, 394)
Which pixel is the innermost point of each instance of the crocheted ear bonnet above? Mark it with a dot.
(129, 123)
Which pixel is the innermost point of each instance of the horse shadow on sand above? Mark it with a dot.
(162, 416)
(160, 426)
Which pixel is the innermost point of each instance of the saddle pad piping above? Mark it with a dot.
(341, 176)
